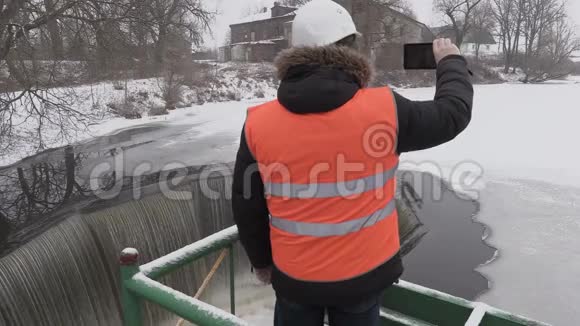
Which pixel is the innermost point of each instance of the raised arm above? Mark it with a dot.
(426, 124)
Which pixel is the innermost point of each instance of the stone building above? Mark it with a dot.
(260, 37)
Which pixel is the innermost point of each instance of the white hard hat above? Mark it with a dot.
(320, 23)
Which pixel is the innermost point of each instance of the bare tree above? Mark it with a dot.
(53, 27)
(14, 23)
(552, 59)
(482, 23)
(540, 16)
(509, 18)
(376, 21)
(108, 35)
(176, 17)
(541, 30)
(459, 14)
(30, 98)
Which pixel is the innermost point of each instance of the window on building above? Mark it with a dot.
(474, 46)
(245, 36)
(253, 36)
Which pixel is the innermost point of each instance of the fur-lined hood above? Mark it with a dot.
(339, 57)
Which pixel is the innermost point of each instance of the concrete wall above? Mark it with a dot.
(225, 54)
(257, 52)
(260, 30)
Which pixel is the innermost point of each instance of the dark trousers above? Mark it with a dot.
(294, 314)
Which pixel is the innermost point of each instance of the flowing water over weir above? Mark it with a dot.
(69, 275)
(65, 270)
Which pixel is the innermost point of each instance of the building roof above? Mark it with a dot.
(407, 17)
(265, 14)
(258, 17)
(480, 36)
(252, 18)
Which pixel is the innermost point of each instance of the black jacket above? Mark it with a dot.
(314, 83)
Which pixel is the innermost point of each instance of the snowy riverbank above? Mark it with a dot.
(111, 106)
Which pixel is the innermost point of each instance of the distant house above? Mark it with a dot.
(261, 36)
(483, 38)
(575, 57)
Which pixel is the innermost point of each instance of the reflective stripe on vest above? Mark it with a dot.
(329, 230)
(328, 225)
(328, 190)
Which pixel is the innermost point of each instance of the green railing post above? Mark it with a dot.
(131, 303)
(232, 282)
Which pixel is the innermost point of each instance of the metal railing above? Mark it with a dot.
(404, 304)
(139, 282)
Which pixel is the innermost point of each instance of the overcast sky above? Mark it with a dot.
(230, 10)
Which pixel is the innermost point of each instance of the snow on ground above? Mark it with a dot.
(226, 82)
(510, 77)
(87, 99)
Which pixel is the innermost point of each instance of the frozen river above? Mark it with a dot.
(521, 145)
(518, 159)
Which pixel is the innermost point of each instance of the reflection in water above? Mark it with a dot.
(31, 193)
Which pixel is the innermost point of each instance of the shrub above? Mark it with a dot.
(259, 93)
(126, 109)
(171, 90)
(156, 110)
(118, 85)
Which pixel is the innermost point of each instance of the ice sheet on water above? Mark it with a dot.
(536, 227)
(521, 133)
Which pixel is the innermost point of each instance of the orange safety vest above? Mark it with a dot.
(330, 184)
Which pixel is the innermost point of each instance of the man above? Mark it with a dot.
(314, 182)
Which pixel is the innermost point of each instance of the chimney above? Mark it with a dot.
(276, 10)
